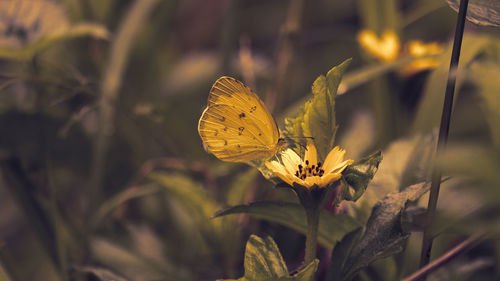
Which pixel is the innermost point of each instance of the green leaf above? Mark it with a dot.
(263, 262)
(72, 32)
(331, 228)
(293, 126)
(334, 77)
(263, 259)
(293, 130)
(382, 236)
(319, 112)
(482, 12)
(358, 176)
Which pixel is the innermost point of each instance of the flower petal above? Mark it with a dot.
(304, 183)
(279, 170)
(340, 167)
(291, 161)
(334, 157)
(275, 167)
(311, 155)
(329, 178)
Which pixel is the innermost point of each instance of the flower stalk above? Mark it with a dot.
(313, 200)
(313, 182)
(443, 133)
(312, 216)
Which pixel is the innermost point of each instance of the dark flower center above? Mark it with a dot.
(309, 171)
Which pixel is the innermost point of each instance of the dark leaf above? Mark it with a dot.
(382, 236)
(358, 176)
(482, 12)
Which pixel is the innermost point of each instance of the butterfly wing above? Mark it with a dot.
(236, 126)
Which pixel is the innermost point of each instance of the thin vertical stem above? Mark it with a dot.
(443, 133)
(312, 216)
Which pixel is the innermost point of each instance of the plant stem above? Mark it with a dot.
(312, 216)
(443, 134)
(447, 257)
(110, 86)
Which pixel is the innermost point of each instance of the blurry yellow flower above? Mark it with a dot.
(310, 172)
(385, 48)
(23, 21)
(419, 49)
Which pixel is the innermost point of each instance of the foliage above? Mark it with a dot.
(263, 262)
(382, 236)
(103, 176)
(318, 115)
(358, 175)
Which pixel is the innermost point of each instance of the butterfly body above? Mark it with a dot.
(236, 125)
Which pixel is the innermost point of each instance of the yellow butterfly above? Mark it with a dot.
(236, 126)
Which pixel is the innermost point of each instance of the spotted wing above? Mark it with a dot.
(236, 126)
(229, 91)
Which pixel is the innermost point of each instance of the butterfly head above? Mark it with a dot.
(282, 144)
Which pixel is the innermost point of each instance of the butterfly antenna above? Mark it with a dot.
(291, 139)
(312, 138)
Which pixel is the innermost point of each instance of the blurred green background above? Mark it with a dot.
(104, 174)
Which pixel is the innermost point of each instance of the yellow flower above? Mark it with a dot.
(309, 172)
(419, 49)
(385, 48)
